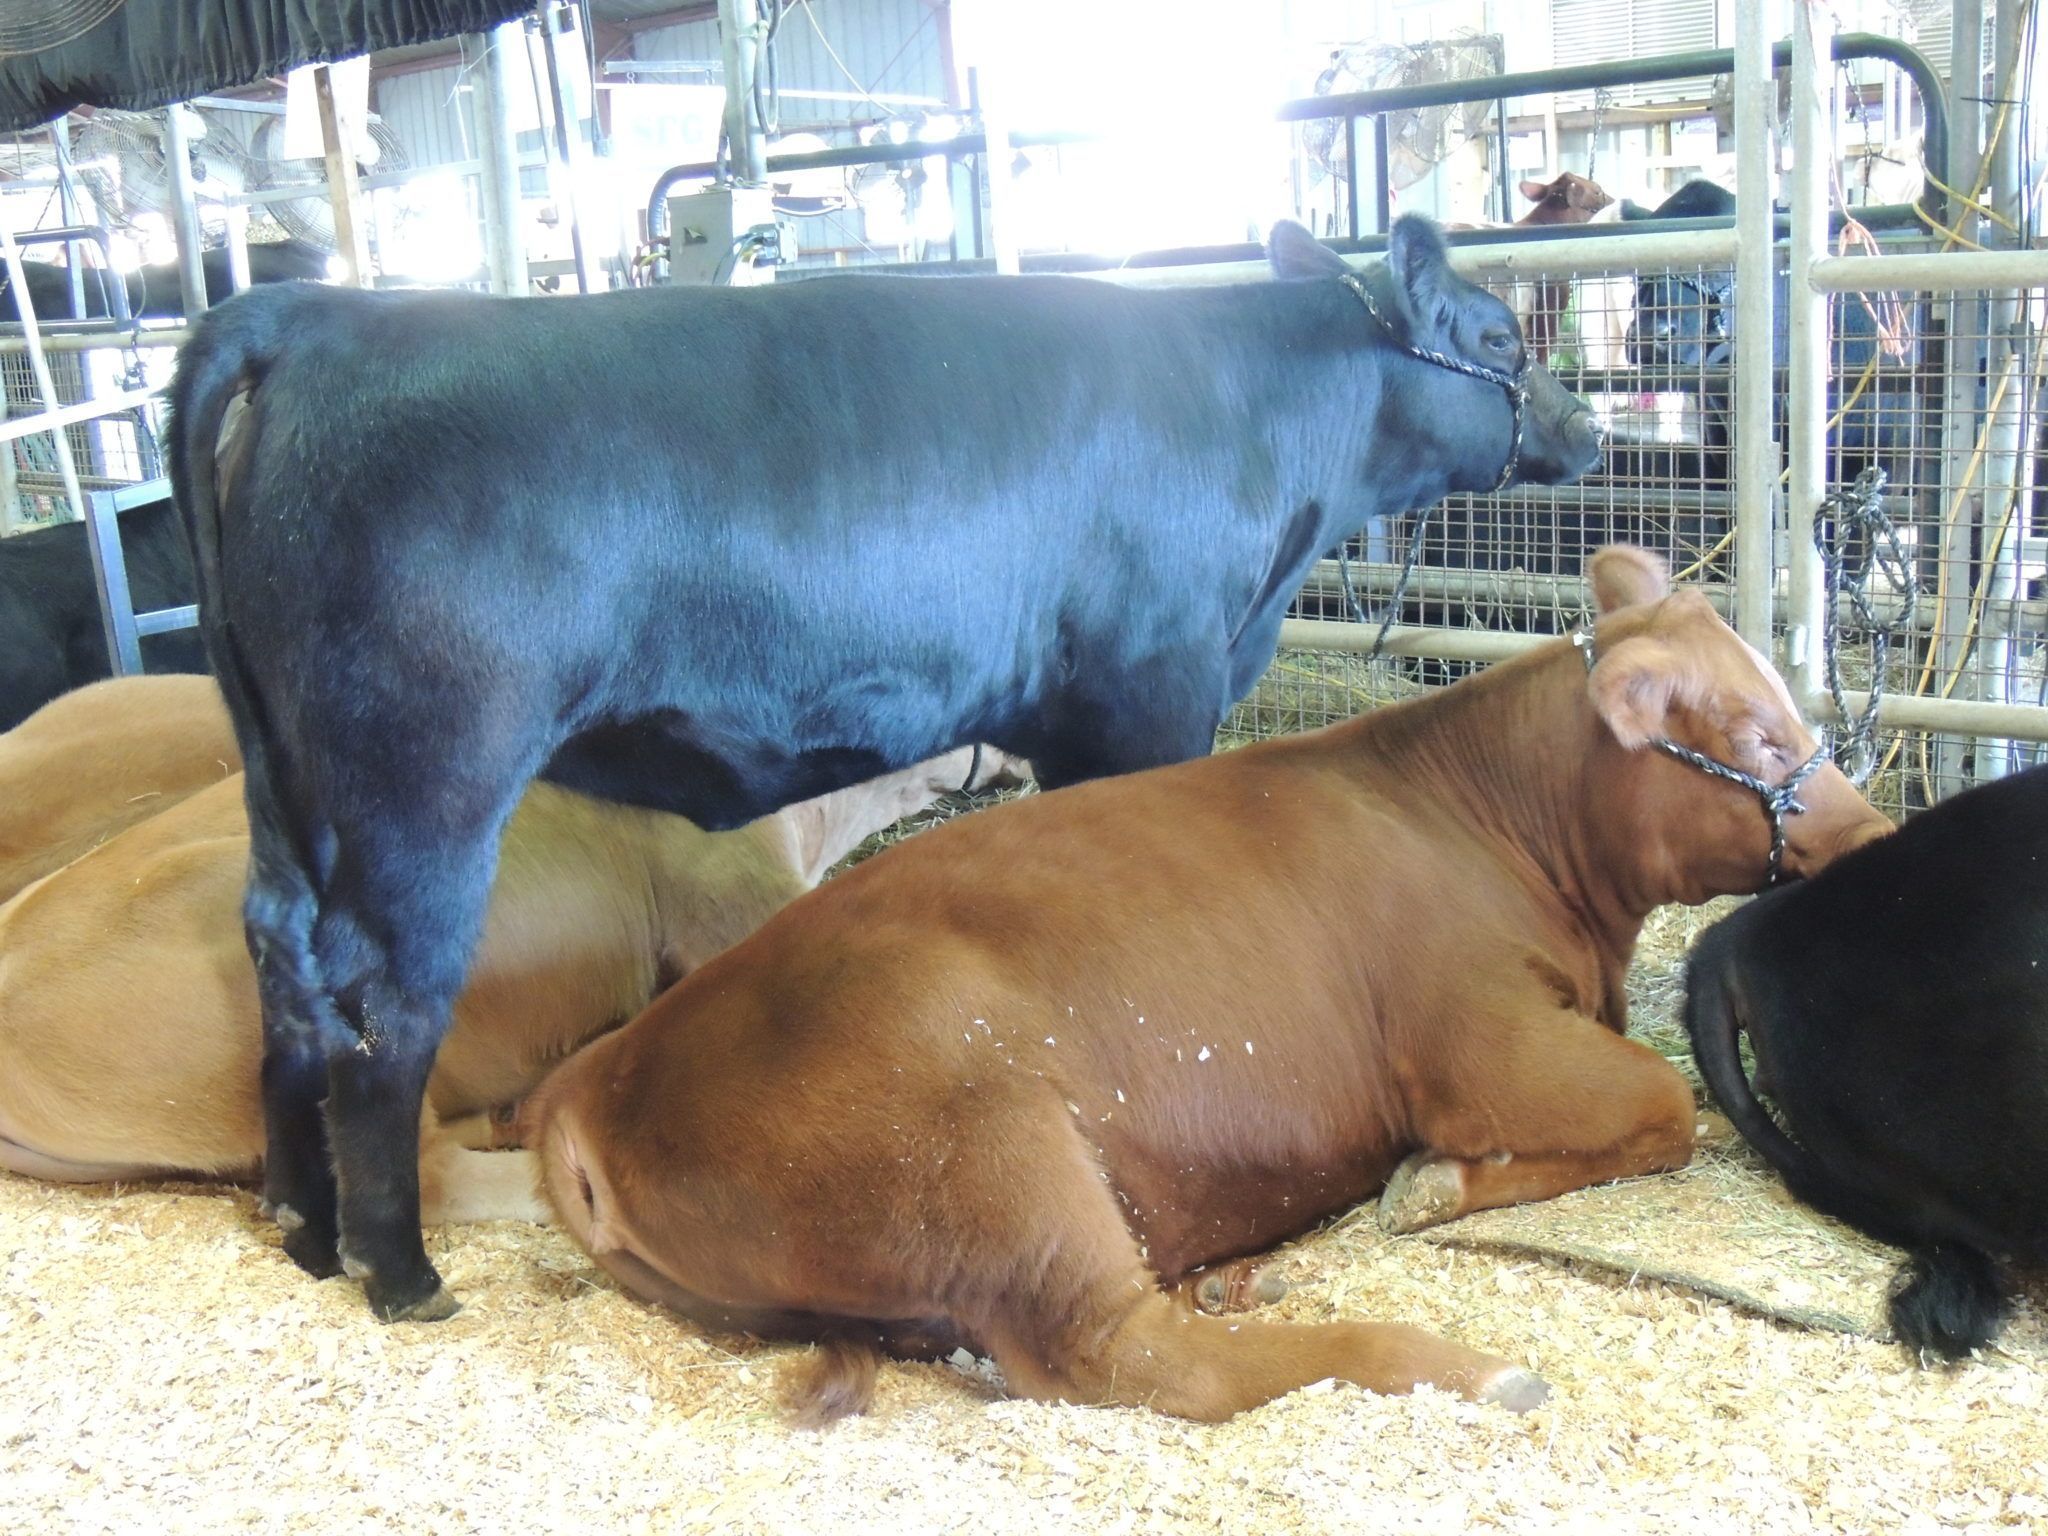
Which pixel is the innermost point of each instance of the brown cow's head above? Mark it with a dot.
(1669, 668)
(1565, 199)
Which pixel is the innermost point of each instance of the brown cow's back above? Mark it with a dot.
(102, 758)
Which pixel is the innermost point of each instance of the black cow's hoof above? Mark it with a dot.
(413, 1304)
(314, 1248)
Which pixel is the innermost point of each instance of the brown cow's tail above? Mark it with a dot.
(837, 1381)
(1947, 1297)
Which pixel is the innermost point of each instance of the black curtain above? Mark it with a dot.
(152, 52)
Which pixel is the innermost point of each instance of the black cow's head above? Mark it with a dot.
(1680, 319)
(1429, 308)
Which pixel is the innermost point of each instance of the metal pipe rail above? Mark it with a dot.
(1937, 272)
(1375, 104)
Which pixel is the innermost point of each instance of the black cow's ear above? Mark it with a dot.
(1295, 252)
(1422, 272)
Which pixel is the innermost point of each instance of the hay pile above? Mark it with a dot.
(162, 1366)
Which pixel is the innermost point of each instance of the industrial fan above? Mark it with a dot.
(120, 158)
(1419, 138)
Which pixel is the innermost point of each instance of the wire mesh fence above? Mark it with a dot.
(1943, 392)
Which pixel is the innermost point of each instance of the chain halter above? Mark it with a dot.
(1516, 383)
(1779, 800)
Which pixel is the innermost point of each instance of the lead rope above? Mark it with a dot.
(1517, 386)
(1779, 800)
(1860, 509)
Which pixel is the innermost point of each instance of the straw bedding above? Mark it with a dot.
(163, 1367)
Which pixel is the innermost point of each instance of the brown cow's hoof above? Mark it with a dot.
(1424, 1191)
(1238, 1288)
(1517, 1391)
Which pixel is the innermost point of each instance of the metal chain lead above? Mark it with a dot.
(1860, 509)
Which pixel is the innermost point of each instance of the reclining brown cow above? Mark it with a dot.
(102, 758)
(997, 1085)
(130, 1037)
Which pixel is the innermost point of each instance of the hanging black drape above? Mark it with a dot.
(151, 52)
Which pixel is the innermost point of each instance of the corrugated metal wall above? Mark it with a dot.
(428, 112)
(890, 47)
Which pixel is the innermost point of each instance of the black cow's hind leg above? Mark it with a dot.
(298, 1177)
(393, 942)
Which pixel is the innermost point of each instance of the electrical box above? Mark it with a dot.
(726, 235)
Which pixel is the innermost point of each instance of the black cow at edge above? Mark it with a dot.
(1898, 1007)
(154, 291)
(51, 636)
(717, 550)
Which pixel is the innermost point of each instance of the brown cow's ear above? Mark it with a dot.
(1623, 575)
(1633, 688)
(1535, 191)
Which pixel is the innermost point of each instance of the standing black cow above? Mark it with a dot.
(688, 548)
(51, 639)
(1898, 1007)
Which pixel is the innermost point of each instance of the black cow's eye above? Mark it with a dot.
(1501, 342)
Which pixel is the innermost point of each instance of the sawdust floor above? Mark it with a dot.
(163, 1367)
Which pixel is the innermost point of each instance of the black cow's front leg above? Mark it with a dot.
(1158, 715)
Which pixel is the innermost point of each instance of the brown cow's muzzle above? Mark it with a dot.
(1836, 819)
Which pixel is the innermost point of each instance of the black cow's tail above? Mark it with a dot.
(1947, 1297)
(229, 353)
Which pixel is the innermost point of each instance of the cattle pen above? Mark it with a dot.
(1833, 426)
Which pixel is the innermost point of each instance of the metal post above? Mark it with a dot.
(1756, 451)
(487, 60)
(1960, 504)
(739, 37)
(1382, 178)
(2006, 454)
(39, 365)
(1351, 175)
(570, 142)
(237, 215)
(1806, 406)
(185, 211)
(1002, 207)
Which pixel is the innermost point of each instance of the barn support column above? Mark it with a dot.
(1806, 405)
(1756, 453)
(487, 59)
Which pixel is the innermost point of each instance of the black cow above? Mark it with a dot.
(721, 549)
(154, 291)
(51, 640)
(1898, 1007)
(715, 550)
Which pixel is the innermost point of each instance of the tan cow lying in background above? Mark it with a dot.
(130, 1034)
(101, 758)
(998, 1084)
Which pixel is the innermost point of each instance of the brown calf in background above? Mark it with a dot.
(999, 1084)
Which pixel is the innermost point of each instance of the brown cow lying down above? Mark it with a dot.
(130, 1035)
(102, 758)
(997, 1085)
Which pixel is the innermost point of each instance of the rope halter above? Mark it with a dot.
(1779, 800)
(1516, 383)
